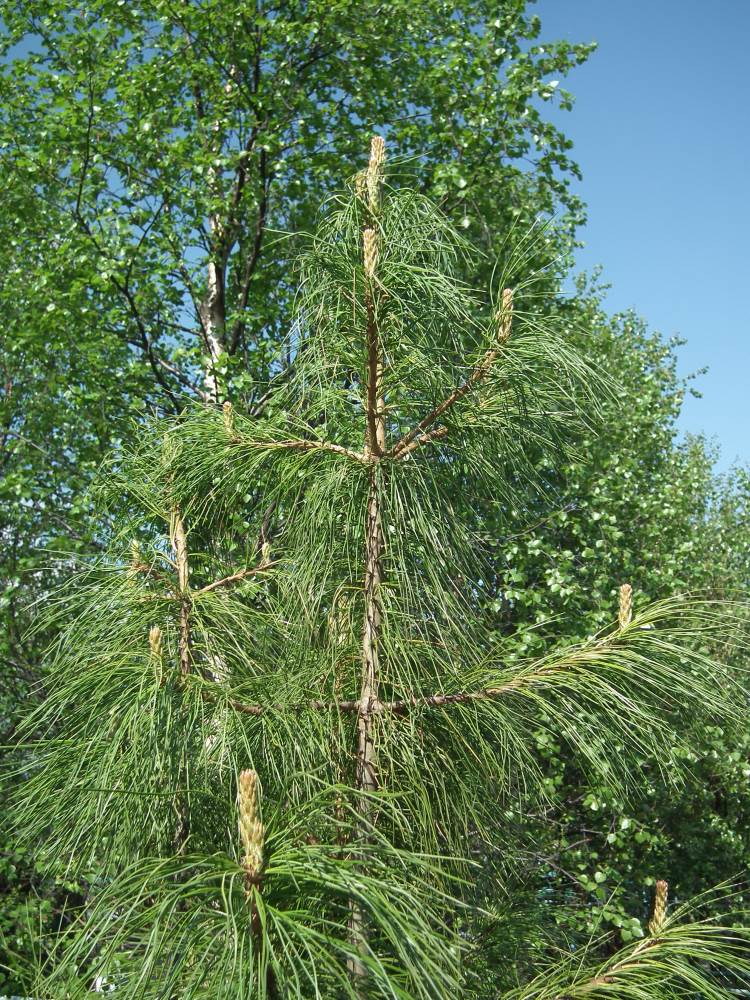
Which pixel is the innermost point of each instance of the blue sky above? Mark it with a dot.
(661, 128)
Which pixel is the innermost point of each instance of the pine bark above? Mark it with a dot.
(181, 558)
(374, 448)
(179, 545)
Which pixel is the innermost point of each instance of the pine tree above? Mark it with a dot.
(281, 731)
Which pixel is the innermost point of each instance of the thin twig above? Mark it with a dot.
(302, 445)
(433, 435)
(235, 577)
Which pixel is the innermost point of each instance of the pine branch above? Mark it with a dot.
(179, 545)
(375, 706)
(627, 651)
(416, 435)
(433, 435)
(240, 575)
(302, 445)
(680, 958)
(296, 444)
(398, 706)
(226, 581)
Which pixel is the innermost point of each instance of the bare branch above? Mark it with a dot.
(252, 259)
(146, 345)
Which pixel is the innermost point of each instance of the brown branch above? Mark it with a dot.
(376, 707)
(242, 574)
(146, 344)
(181, 558)
(241, 171)
(398, 706)
(480, 372)
(375, 425)
(183, 379)
(433, 435)
(302, 445)
(179, 545)
(195, 298)
(87, 149)
(240, 180)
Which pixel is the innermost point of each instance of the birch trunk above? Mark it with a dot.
(213, 319)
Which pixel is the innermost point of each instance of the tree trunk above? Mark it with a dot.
(213, 319)
(375, 447)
